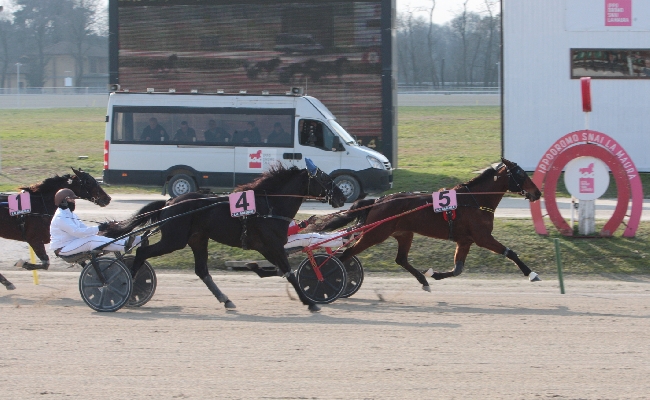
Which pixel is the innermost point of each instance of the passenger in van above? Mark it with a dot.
(154, 132)
(250, 135)
(216, 134)
(278, 135)
(185, 133)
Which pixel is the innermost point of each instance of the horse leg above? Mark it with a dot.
(199, 247)
(280, 260)
(492, 244)
(404, 241)
(6, 283)
(462, 249)
(39, 250)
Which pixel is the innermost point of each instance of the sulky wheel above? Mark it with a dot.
(113, 293)
(332, 281)
(144, 283)
(354, 272)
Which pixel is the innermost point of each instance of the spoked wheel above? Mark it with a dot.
(144, 283)
(111, 295)
(332, 280)
(354, 272)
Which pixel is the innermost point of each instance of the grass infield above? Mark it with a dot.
(438, 147)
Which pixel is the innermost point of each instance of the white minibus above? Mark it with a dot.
(187, 142)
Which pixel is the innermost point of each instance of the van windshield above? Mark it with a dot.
(343, 134)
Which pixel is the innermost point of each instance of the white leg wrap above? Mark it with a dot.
(532, 276)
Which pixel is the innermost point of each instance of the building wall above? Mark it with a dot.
(541, 102)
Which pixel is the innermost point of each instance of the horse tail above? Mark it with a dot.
(146, 215)
(359, 212)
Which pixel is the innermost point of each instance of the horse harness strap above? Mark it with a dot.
(450, 216)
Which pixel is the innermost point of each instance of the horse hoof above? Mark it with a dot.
(19, 263)
(426, 288)
(229, 305)
(314, 308)
(428, 273)
(10, 286)
(533, 277)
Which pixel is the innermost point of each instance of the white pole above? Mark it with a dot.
(18, 84)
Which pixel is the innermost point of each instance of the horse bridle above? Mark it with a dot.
(515, 185)
(83, 182)
(329, 191)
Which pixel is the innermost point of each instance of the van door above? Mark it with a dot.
(315, 141)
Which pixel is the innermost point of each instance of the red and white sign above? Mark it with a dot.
(19, 204)
(260, 159)
(242, 203)
(602, 147)
(618, 12)
(586, 178)
(444, 200)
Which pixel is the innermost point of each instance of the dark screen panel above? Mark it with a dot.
(610, 63)
(332, 48)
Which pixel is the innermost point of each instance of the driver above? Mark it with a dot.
(68, 235)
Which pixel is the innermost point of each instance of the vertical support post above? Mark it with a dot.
(32, 259)
(587, 217)
(558, 260)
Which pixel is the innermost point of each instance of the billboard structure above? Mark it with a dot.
(548, 46)
(339, 51)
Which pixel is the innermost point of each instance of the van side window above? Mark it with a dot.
(315, 133)
(197, 126)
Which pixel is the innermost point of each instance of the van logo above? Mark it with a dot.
(261, 159)
(255, 161)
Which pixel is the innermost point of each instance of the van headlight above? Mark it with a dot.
(374, 162)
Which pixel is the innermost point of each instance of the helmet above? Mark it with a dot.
(62, 195)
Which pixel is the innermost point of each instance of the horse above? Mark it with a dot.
(472, 222)
(34, 228)
(279, 193)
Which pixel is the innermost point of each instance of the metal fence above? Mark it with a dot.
(431, 89)
(54, 90)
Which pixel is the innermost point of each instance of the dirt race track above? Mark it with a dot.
(469, 339)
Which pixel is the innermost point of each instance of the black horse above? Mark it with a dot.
(34, 228)
(278, 196)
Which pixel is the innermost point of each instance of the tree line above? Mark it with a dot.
(29, 27)
(463, 52)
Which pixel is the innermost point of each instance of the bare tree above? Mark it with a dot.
(488, 61)
(430, 42)
(81, 19)
(37, 21)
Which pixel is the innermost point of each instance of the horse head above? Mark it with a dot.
(325, 188)
(87, 188)
(520, 182)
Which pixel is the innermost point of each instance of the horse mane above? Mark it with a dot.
(487, 174)
(271, 180)
(48, 185)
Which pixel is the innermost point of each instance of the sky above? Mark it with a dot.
(445, 9)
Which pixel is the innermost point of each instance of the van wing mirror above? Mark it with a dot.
(336, 144)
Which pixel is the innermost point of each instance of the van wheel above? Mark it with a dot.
(349, 186)
(181, 184)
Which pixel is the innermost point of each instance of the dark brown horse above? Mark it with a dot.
(194, 218)
(34, 228)
(473, 223)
